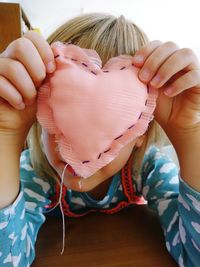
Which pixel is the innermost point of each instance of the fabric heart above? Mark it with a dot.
(92, 111)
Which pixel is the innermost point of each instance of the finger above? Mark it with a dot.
(17, 75)
(175, 63)
(142, 54)
(189, 80)
(10, 94)
(155, 60)
(38, 43)
(43, 48)
(25, 52)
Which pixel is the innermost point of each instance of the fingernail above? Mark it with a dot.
(138, 59)
(155, 80)
(168, 91)
(21, 106)
(50, 67)
(144, 75)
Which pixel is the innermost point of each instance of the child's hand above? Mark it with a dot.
(23, 66)
(177, 73)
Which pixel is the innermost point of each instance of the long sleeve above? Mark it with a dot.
(177, 205)
(21, 221)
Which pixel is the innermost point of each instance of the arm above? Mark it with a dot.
(176, 204)
(187, 146)
(26, 212)
(21, 220)
(10, 150)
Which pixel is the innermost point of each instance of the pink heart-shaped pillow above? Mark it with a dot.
(92, 111)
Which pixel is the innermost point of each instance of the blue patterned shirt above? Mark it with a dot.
(174, 201)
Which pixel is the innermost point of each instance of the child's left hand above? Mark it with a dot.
(176, 73)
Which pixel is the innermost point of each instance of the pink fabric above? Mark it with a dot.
(92, 111)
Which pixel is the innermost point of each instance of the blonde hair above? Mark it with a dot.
(109, 36)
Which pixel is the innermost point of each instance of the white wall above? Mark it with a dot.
(176, 20)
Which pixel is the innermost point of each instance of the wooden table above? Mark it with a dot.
(132, 237)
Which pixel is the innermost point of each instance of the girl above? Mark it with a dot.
(132, 175)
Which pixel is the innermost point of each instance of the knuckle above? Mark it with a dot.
(21, 44)
(152, 64)
(13, 67)
(2, 79)
(188, 52)
(197, 75)
(43, 47)
(156, 42)
(190, 80)
(175, 86)
(153, 45)
(170, 44)
(149, 47)
(162, 75)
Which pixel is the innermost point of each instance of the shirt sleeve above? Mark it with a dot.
(21, 221)
(177, 205)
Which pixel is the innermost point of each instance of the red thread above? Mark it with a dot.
(86, 161)
(131, 126)
(118, 137)
(84, 64)
(107, 150)
(93, 72)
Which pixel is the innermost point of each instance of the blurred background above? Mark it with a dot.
(176, 20)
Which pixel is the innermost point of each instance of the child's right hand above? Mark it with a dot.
(23, 66)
